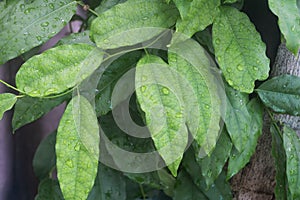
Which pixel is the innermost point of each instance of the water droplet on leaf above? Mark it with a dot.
(143, 88)
(69, 163)
(165, 91)
(230, 82)
(44, 24)
(240, 67)
(51, 5)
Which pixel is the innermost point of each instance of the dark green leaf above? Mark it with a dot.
(132, 22)
(58, 69)
(205, 39)
(44, 159)
(49, 189)
(7, 101)
(107, 4)
(289, 22)
(29, 109)
(281, 94)
(237, 159)
(291, 143)
(77, 149)
(26, 25)
(239, 50)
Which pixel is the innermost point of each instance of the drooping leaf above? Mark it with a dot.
(281, 187)
(238, 159)
(291, 143)
(29, 109)
(163, 111)
(197, 16)
(44, 158)
(288, 21)
(49, 189)
(77, 149)
(237, 118)
(76, 38)
(205, 39)
(132, 22)
(239, 50)
(281, 94)
(58, 69)
(25, 25)
(107, 4)
(211, 166)
(200, 89)
(7, 101)
(110, 184)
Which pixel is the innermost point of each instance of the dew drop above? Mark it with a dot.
(284, 86)
(106, 41)
(228, 70)
(22, 6)
(293, 28)
(39, 38)
(145, 18)
(27, 11)
(77, 147)
(51, 5)
(69, 163)
(165, 91)
(178, 115)
(255, 68)
(240, 67)
(22, 51)
(44, 24)
(230, 82)
(143, 88)
(217, 41)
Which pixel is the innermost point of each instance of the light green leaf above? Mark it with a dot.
(199, 15)
(200, 89)
(289, 21)
(132, 22)
(77, 149)
(237, 159)
(239, 50)
(26, 25)
(49, 189)
(44, 158)
(291, 143)
(164, 112)
(76, 38)
(237, 118)
(58, 69)
(7, 101)
(211, 166)
(29, 109)
(281, 94)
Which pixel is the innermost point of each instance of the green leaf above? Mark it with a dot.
(281, 94)
(107, 4)
(288, 21)
(237, 117)
(26, 25)
(49, 189)
(110, 184)
(7, 101)
(76, 38)
(197, 17)
(211, 166)
(44, 158)
(29, 109)
(200, 89)
(205, 39)
(239, 50)
(291, 143)
(132, 22)
(58, 69)
(230, 1)
(164, 112)
(281, 187)
(237, 159)
(77, 149)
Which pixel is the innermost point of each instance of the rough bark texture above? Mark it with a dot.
(257, 180)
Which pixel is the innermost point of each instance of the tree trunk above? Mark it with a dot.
(257, 179)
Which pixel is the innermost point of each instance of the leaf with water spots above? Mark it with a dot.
(239, 50)
(25, 25)
(77, 149)
(281, 94)
(132, 22)
(58, 69)
(7, 101)
(288, 21)
(291, 143)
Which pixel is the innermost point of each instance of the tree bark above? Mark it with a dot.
(257, 179)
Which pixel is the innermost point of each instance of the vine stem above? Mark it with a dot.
(274, 122)
(10, 86)
(83, 5)
(142, 191)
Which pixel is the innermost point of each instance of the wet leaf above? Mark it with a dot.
(76, 38)
(49, 189)
(7, 101)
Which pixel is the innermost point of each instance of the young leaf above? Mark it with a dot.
(289, 22)
(281, 94)
(29, 109)
(77, 149)
(132, 22)
(58, 69)
(291, 143)
(163, 110)
(237, 159)
(211, 166)
(49, 189)
(198, 16)
(44, 158)
(7, 101)
(237, 118)
(239, 50)
(26, 25)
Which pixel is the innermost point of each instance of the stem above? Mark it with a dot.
(274, 122)
(142, 191)
(92, 11)
(10, 86)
